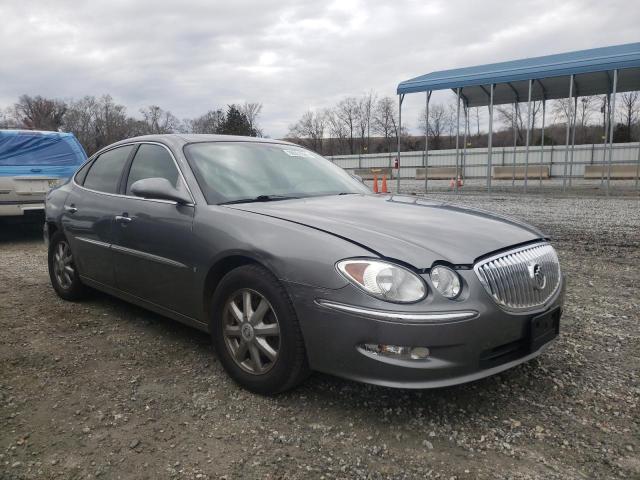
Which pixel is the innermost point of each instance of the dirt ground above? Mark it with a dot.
(105, 389)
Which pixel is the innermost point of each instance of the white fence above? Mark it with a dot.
(474, 160)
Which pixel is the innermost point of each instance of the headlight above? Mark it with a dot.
(383, 280)
(446, 281)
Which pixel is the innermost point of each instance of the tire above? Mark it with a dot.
(265, 375)
(66, 283)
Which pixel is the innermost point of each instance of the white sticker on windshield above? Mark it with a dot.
(298, 153)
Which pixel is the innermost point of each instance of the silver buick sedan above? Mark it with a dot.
(293, 265)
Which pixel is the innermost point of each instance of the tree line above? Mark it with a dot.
(355, 125)
(369, 124)
(99, 121)
(347, 128)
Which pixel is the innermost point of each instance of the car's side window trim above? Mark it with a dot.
(81, 173)
(126, 169)
(128, 165)
(93, 164)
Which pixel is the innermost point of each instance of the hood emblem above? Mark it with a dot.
(537, 276)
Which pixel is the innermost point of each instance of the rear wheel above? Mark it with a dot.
(62, 269)
(256, 333)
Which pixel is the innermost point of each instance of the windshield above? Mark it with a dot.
(236, 171)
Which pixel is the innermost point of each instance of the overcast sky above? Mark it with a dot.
(192, 56)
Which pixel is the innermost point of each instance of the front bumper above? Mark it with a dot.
(462, 349)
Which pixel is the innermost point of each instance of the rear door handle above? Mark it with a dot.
(70, 208)
(123, 219)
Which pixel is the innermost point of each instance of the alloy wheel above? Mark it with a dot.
(251, 331)
(63, 267)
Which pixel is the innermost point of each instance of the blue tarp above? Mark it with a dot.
(551, 73)
(32, 152)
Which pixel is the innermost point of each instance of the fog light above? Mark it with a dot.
(396, 351)
(419, 353)
(387, 350)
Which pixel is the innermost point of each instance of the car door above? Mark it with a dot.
(153, 239)
(89, 211)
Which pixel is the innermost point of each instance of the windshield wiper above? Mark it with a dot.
(259, 198)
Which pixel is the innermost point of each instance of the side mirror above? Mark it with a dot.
(357, 177)
(159, 189)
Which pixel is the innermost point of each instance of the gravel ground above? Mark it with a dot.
(105, 389)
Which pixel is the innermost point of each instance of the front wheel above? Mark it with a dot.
(256, 333)
(62, 269)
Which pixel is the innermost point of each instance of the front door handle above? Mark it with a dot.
(70, 208)
(123, 219)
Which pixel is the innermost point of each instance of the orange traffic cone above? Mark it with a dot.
(384, 183)
(375, 183)
(452, 184)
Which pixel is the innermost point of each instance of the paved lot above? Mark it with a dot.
(104, 389)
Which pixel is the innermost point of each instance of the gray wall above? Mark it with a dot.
(476, 159)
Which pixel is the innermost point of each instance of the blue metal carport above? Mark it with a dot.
(597, 71)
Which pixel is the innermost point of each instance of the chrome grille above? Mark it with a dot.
(513, 278)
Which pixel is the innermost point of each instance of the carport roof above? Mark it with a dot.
(592, 69)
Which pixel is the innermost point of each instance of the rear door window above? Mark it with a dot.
(82, 173)
(105, 172)
(152, 161)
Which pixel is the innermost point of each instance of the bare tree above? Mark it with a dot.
(158, 120)
(310, 128)
(385, 120)
(451, 120)
(347, 111)
(80, 119)
(252, 112)
(112, 123)
(439, 122)
(40, 113)
(337, 130)
(99, 122)
(584, 109)
(8, 118)
(514, 116)
(475, 115)
(366, 106)
(629, 111)
(210, 122)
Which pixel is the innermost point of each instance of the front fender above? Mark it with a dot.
(294, 253)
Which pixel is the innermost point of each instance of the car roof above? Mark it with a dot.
(34, 133)
(179, 139)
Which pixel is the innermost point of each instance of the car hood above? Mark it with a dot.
(410, 229)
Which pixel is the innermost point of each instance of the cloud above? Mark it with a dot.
(290, 55)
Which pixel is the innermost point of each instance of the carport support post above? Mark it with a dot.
(566, 143)
(463, 161)
(526, 154)
(515, 143)
(573, 138)
(490, 140)
(607, 114)
(544, 111)
(638, 167)
(426, 140)
(455, 180)
(400, 99)
(612, 113)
